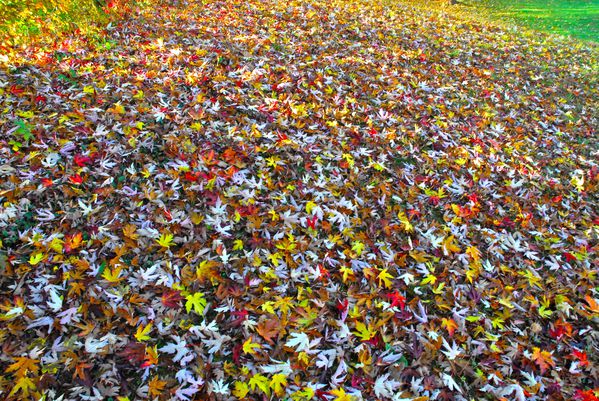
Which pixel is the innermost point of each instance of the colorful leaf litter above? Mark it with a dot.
(299, 200)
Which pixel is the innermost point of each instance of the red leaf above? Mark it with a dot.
(588, 395)
(134, 352)
(581, 356)
(76, 179)
(81, 161)
(569, 257)
(171, 299)
(397, 299)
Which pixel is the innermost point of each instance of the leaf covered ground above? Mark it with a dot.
(299, 200)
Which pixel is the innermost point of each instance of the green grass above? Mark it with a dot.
(577, 18)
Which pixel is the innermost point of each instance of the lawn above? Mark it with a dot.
(577, 18)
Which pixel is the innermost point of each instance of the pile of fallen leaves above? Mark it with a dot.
(297, 200)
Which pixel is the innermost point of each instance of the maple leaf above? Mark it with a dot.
(151, 357)
(473, 252)
(22, 366)
(363, 332)
(384, 277)
(453, 351)
(429, 279)
(165, 240)
(300, 341)
(219, 387)
(134, 352)
(341, 395)
(35, 258)
(240, 389)
(268, 329)
(277, 383)
(197, 302)
(141, 334)
(261, 382)
(450, 325)
(206, 270)
(156, 386)
(543, 359)
(310, 206)
(593, 304)
(407, 226)
(587, 395)
(73, 242)
(358, 247)
(113, 275)
(397, 299)
(450, 245)
(171, 299)
(250, 347)
(25, 385)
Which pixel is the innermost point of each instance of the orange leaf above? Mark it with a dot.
(593, 304)
(543, 359)
(268, 329)
(156, 386)
(450, 325)
(23, 365)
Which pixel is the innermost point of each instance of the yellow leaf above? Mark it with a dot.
(25, 114)
(35, 258)
(249, 347)
(142, 333)
(341, 395)
(197, 302)
(310, 206)
(506, 302)
(261, 382)
(25, 385)
(439, 289)
(165, 240)
(473, 252)
(346, 272)
(419, 256)
(544, 312)
(450, 245)
(112, 275)
(365, 333)
(349, 159)
(429, 279)
(384, 277)
(89, 89)
(303, 395)
(57, 245)
(407, 226)
(240, 389)
(278, 382)
(274, 258)
(118, 108)
(358, 247)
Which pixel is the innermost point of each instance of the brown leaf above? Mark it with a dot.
(268, 329)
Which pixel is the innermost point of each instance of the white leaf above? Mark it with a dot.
(55, 302)
(94, 346)
(219, 387)
(278, 367)
(450, 383)
(300, 341)
(384, 387)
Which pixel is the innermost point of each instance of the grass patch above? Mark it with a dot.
(576, 18)
(21, 21)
